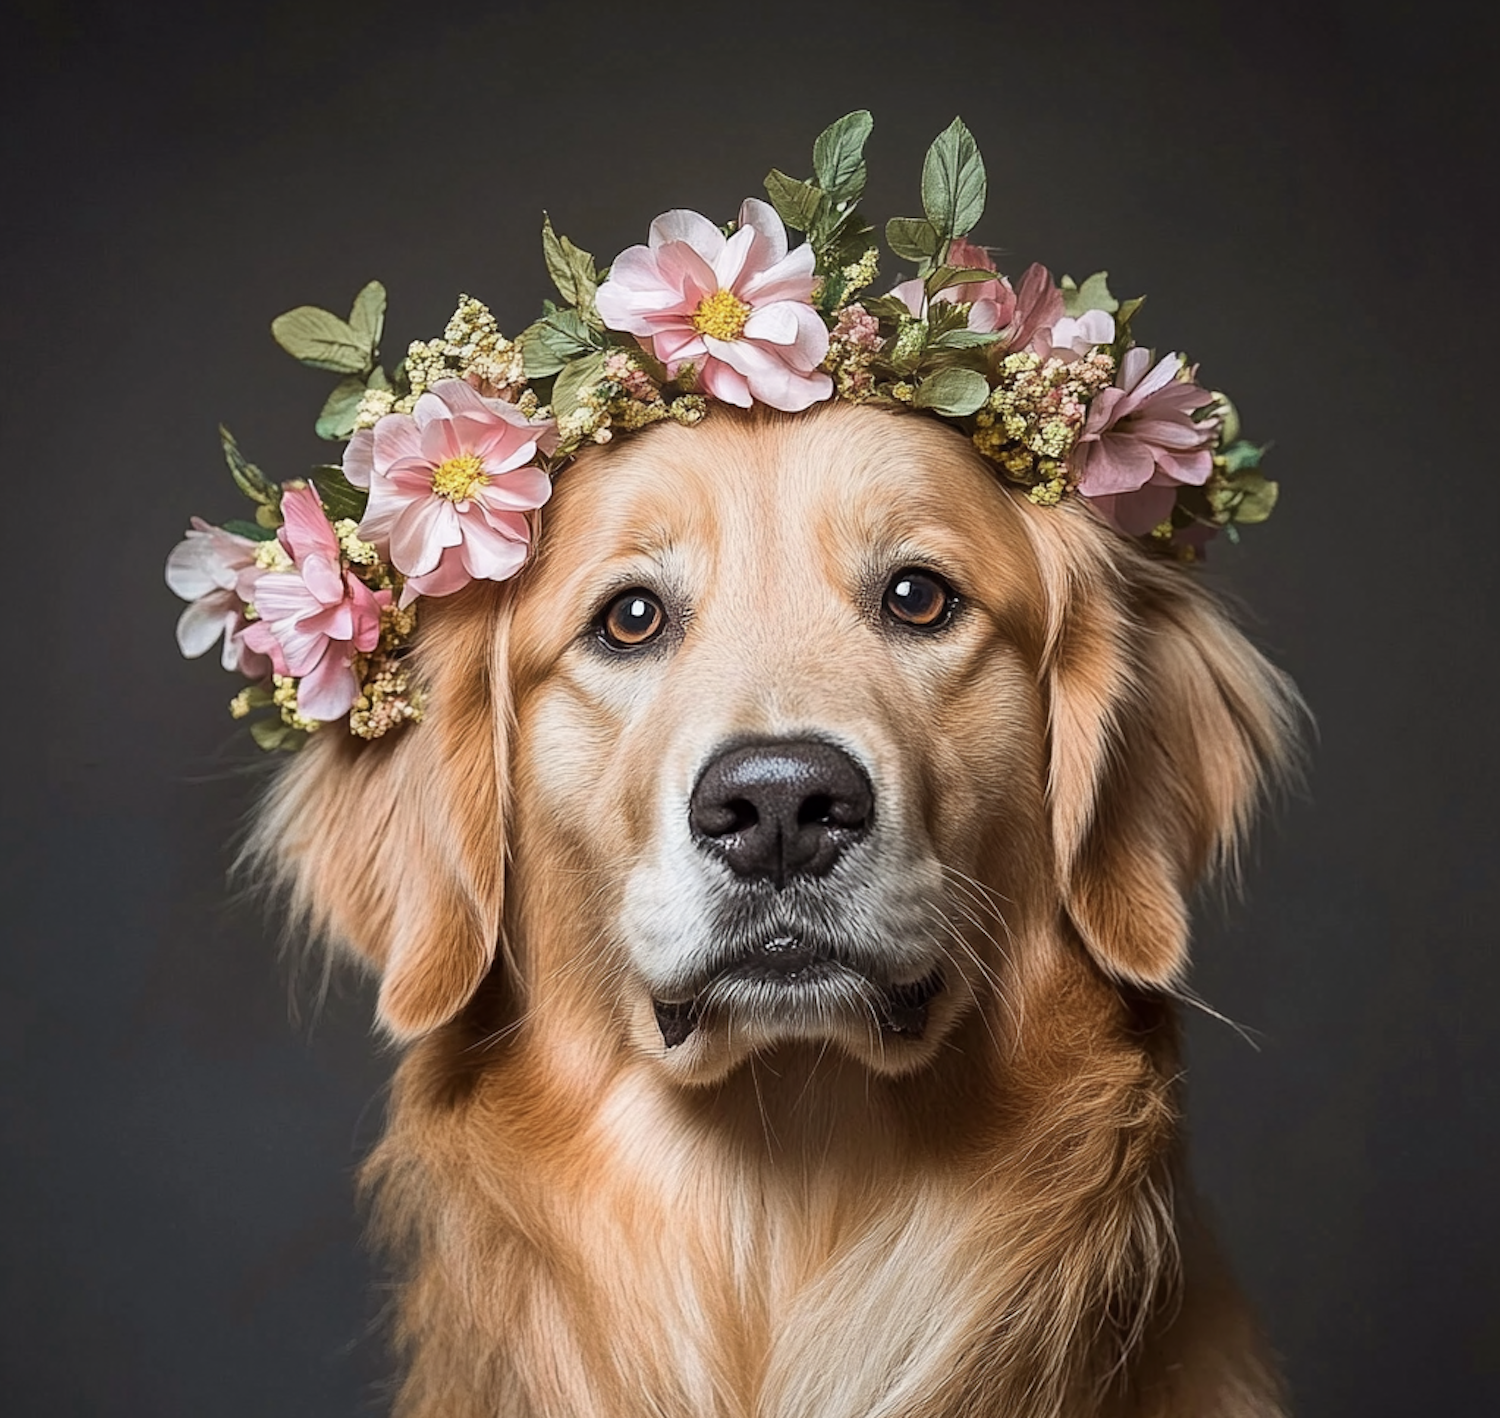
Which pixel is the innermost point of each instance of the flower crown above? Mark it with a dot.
(450, 454)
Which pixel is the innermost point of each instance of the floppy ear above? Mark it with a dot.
(393, 849)
(1166, 725)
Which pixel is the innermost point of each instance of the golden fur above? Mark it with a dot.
(984, 1221)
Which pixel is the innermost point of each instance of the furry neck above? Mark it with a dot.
(995, 1234)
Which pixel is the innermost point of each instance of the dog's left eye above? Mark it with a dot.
(632, 619)
(920, 599)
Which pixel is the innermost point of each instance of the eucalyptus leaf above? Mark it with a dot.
(953, 182)
(339, 496)
(1093, 294)
(797, 203)
(337, 418)
(247, 477)
(579, 375)
(320, 339)
(954, 392)
(571, 268)
(253, 530)
(839, 156)
(367, 316)
(912, 238)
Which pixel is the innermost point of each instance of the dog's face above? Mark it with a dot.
(777, 708)
(797, 730)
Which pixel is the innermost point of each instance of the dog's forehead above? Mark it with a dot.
(749, 486)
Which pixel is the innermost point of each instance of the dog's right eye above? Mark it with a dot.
(632, 619)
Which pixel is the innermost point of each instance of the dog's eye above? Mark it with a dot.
(920, 599)
(632, 619)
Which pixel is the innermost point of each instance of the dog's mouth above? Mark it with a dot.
(790, 977)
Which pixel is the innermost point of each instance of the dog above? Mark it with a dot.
(783, 906)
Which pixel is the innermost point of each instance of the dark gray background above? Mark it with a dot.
(1307, 197)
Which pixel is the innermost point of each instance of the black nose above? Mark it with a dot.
(782, 809)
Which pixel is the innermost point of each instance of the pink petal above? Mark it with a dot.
(723, 383)
(488, 553)
(396, 439)
(203, 622)
(324, 577)
(732, 260)
(775, 323)
(421, 531)
(1136, 513)
(689, 227)
(791, 278)
(328, 689)
(520, 491)
(306, 524)
(359, 457)
(1113, 464)
(761, 217)
(912, 294)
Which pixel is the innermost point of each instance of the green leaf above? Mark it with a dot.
(839, 156)
(1258, 499)
(253, 530)
(912, 238)
(319, 338)
(1126, 313)
(247, 477)
(1093, 294)
(946, 276)
(581, 374)
(274, 734)
(337, 418)
(954, 392)
(797, 203)
(367, 317)
(953, 182)
(571, 268)
(339, 496)
(1242, 455)
(964, 340)
(886, 307)
(553, 341)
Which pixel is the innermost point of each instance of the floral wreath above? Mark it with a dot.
(449, 456)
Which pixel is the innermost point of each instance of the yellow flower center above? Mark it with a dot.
(458, 477)
(721, 315)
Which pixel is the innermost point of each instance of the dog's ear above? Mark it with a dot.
(1165, 727)
(393, 849)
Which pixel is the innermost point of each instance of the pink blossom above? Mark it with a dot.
(450, 484)
(216, 571)
(992, 304)
(1141, 442)
(315, 618)
(1039, 306)
(738, 309)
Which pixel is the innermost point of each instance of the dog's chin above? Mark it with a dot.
(755, 1005)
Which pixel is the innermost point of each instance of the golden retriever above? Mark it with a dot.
(783, 902)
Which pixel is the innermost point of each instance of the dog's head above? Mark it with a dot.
(795, 730)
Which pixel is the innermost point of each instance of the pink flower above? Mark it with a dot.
(1039, 306)
(314, 619)
(450, 484)
(992, 304)
(738, 309)
(216, 571)
(1141, 442)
